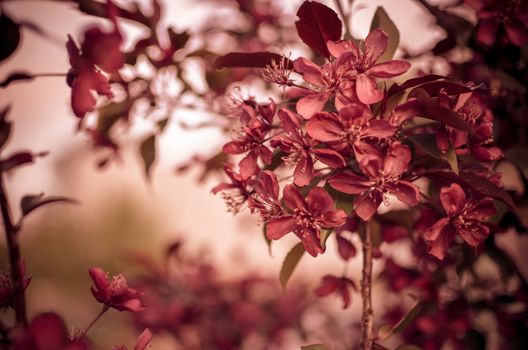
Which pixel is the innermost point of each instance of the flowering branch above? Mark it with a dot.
(367, 318)
(15, 259)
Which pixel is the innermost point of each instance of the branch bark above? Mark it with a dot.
(15, 259)
(367, 318)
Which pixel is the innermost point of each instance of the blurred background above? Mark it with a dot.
(122, 212)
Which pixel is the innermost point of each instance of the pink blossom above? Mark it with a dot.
(362, 61)
(306, 217)
(381, 174)
(464, 217)
(301, 150)
(114, 293)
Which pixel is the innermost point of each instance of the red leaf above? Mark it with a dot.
(248, 60)
(318, 24)
(16, 160)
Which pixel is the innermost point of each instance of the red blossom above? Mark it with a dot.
(340, 285)
(331, 79)
(306, 217)
(464, 217)
(114, 293)
(301, 150)
(100, 52)
(349, 127)
(265, 199)
(472, 108)
(381, 174)
(362, 61)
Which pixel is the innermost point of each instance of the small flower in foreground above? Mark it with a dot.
(332, 284)
(114, 293)
(306, 217)
(464, 217)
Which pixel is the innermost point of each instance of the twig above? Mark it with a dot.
(15, 258)
(367, 317)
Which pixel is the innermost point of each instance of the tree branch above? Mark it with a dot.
(367, 317)
(15, 258)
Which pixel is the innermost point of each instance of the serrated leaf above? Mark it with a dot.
(148, 153)
(290, 263)
(31, 202)
(382, 20)
(408, 318)
(10, 34)
(427, 143)
(318, 24)
(314, 347)
(16, 76)
(248, 60)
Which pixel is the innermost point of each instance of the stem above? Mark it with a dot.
(101, 313)
(367, 317)
(345, 16)
(15, 258)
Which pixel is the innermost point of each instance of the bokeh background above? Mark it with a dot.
(121, 212)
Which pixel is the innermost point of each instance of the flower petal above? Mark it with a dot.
(303, 173)
(325, 127)
(319, 201)
(439, 238)
(309, 70)
(349, 183)
(293, 198)
(405, 192)
(277, 227)
(452, 198)
(248, 165)
(367, 90)
(396, 160)
(389, 69)
(368, 203)
(329, 157)
(143, 340)
(375, 45)
(311, 104)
